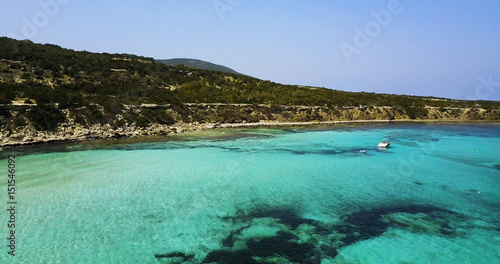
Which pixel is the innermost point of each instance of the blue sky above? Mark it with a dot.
(437, 48)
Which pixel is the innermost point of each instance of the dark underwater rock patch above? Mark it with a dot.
(236, 136)
(285, 216)
(298, 152)
(358, 226)
(175, 256)
(233, 149)
(230, 239)
(333, 151)
(229, 257)
(292, 130)
(366, 224)
(406, 143)
(282, 244)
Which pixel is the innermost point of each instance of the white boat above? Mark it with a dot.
(384, 143)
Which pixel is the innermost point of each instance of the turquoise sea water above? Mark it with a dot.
(284, 195)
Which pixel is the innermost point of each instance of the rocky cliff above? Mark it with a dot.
(208, 116)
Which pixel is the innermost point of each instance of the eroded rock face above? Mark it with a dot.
(209, 116)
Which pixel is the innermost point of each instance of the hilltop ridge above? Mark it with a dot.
(198, 64)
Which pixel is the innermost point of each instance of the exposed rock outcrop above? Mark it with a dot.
(209, 116)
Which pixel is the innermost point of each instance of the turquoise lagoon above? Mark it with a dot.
(277, 195)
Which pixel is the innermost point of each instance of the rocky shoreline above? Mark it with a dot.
(29, 136)
(212, 116)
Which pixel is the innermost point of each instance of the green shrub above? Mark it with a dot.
(4, 112)
(93, 115)
(130, 116)
(45, 117)
(415, 112)
(4, 99)
(233, 115)
(77, 115)
(18, 121)
(118, 123)
(142, 121)
(110, 105)
(182, 109)
(158, 116)
(25, 75)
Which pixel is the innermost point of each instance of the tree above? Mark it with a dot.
(45, 117)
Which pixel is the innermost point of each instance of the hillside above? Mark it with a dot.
(198, 64)
(49, 89)
(51, 74)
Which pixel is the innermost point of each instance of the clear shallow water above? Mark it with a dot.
(264, 196)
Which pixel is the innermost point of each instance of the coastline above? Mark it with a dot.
(107, 133)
